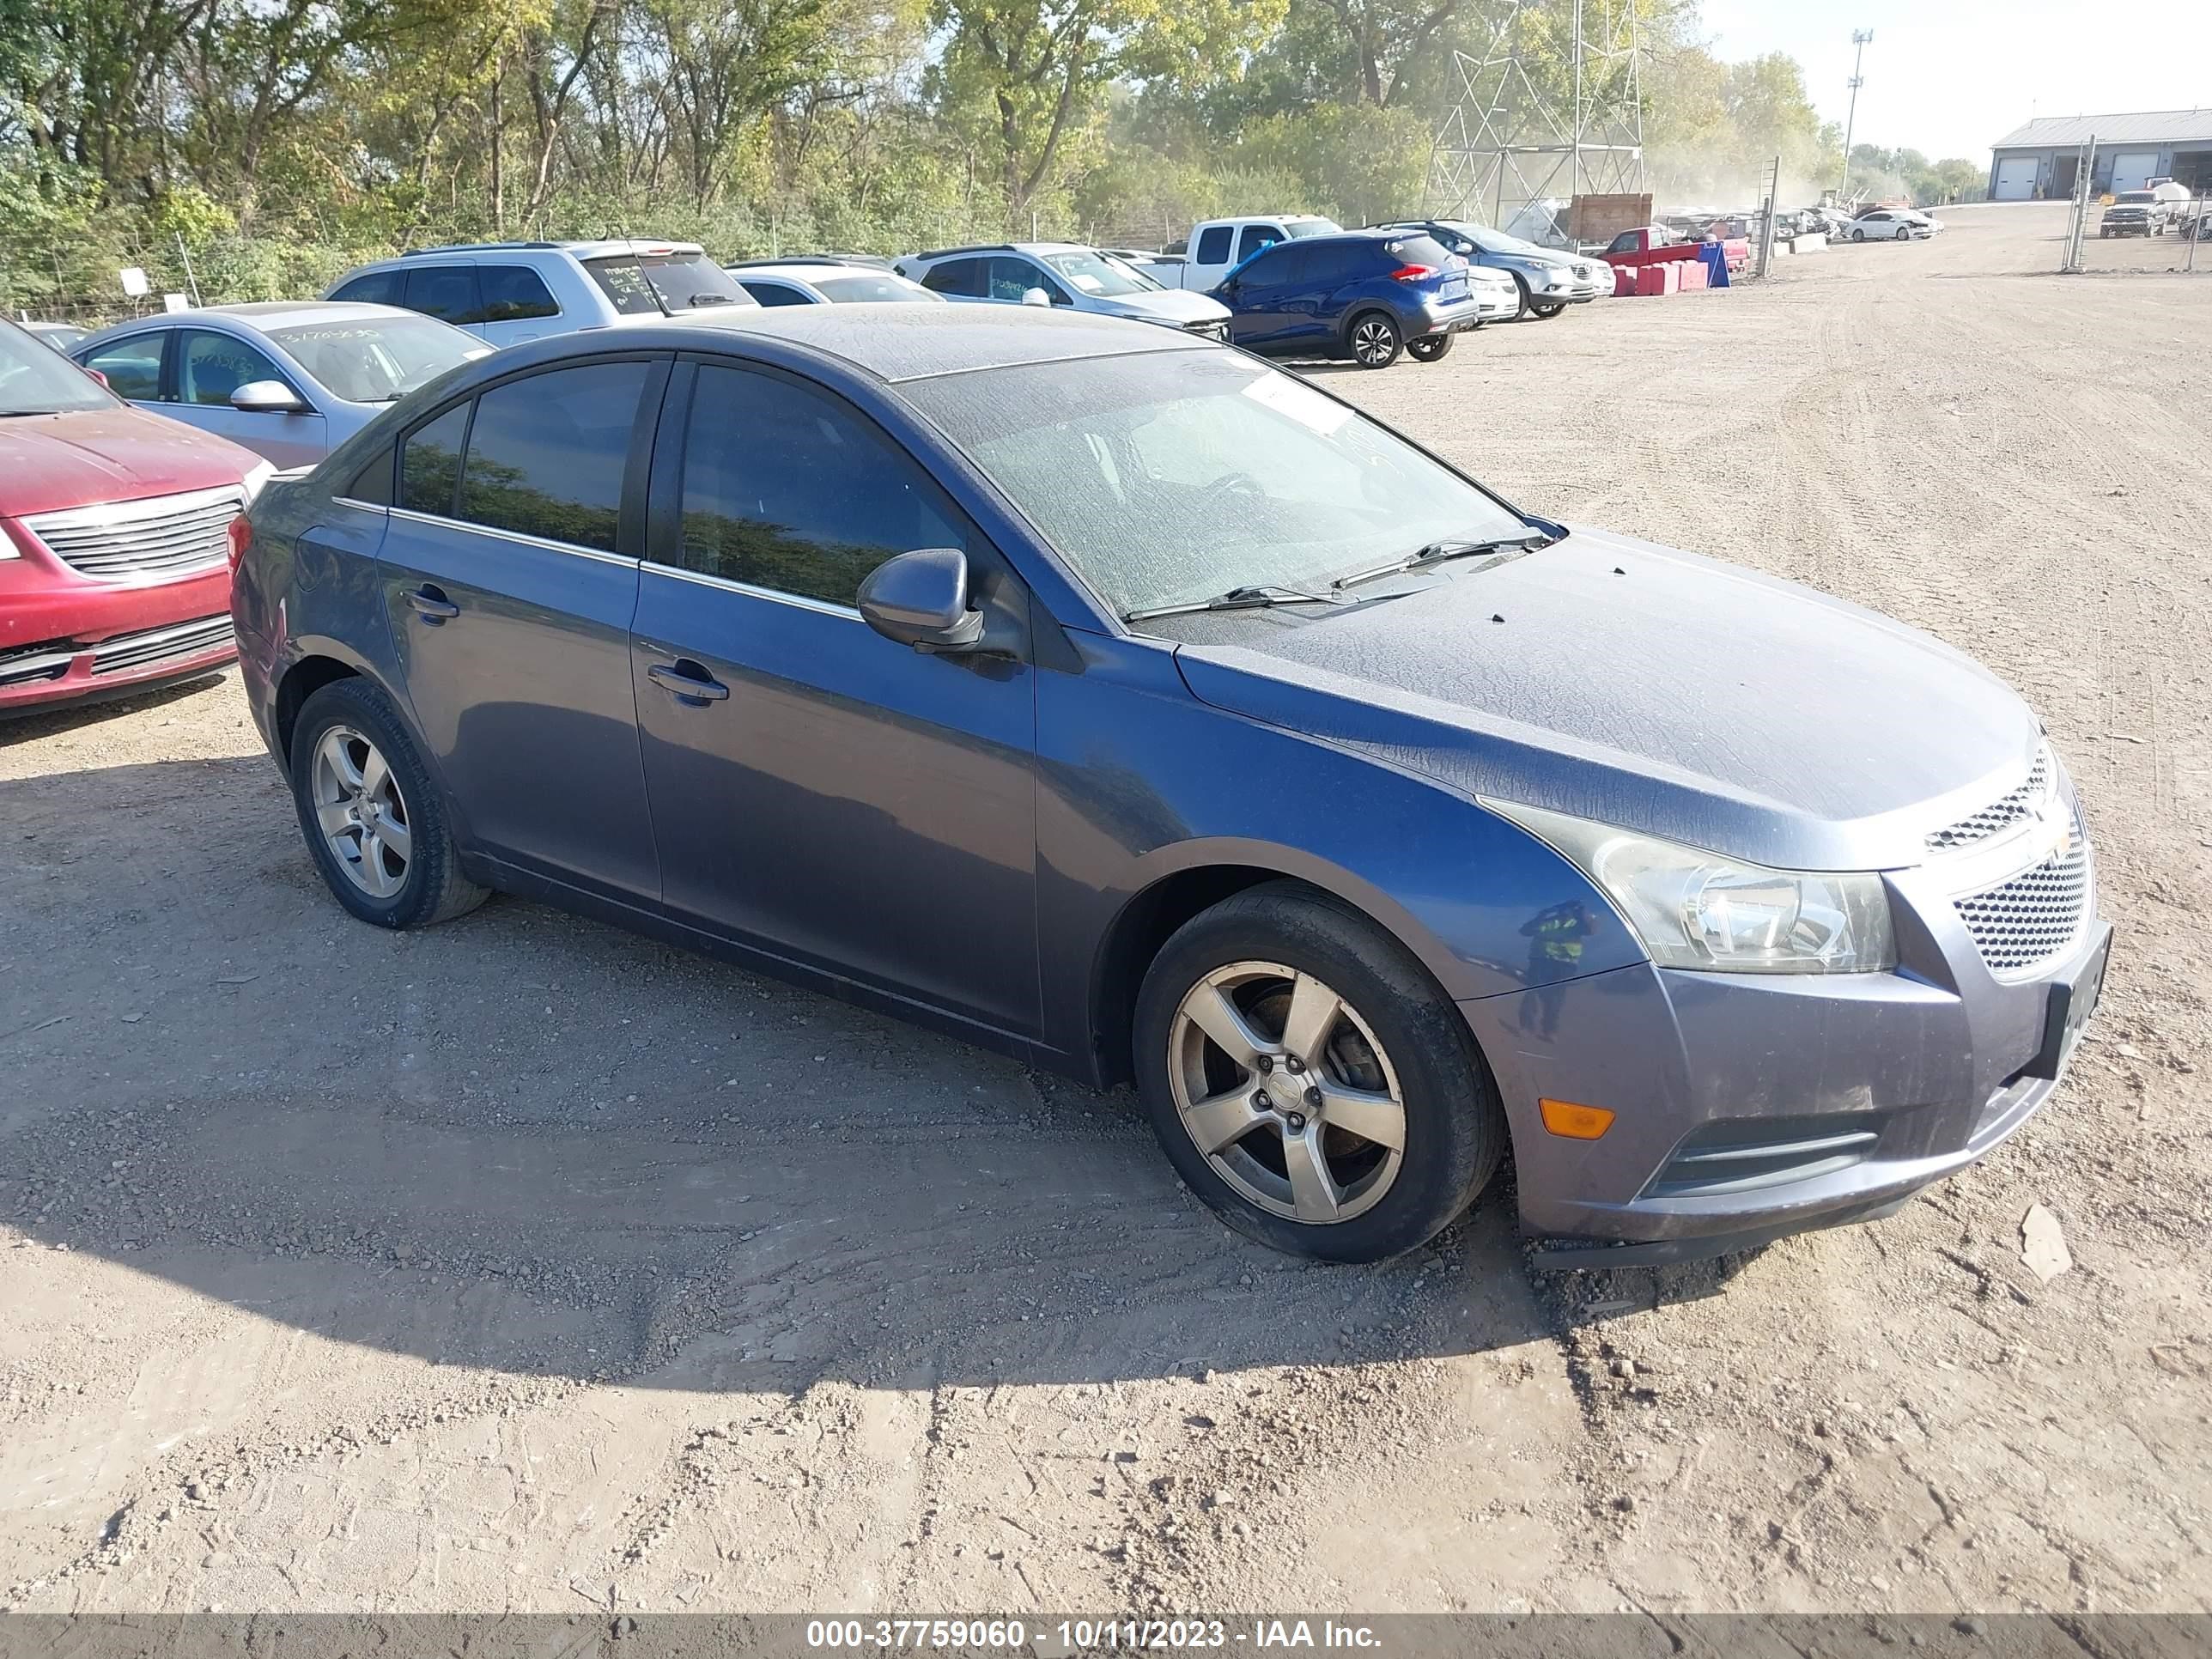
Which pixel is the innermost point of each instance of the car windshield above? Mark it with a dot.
(376, 360)
(36, 380)
(1099, 275)
(674, 282)
(870, 286)
(1300, 229)
(1168, 478)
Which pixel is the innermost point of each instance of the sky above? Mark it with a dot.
(1950, 77)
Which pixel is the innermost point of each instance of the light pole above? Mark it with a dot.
(1859, 38)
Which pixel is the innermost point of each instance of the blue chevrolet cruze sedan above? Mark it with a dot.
(1110, 698)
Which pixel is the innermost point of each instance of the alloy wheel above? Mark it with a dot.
(361, 811)
(1286, 1092)
(1373, 343)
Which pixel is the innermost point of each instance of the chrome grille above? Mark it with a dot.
(155, 644)
(2015, 807)
(161, 538)
(2022, 923)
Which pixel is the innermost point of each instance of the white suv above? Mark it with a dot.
(509, 291)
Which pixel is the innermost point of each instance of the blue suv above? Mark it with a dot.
(1367, 295)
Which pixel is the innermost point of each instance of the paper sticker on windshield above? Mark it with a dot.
(1088, 284)
(1286, 395)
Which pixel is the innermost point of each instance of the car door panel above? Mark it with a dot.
(850, 804)
(513, 647)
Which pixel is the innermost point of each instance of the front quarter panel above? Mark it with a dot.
(1137, 781)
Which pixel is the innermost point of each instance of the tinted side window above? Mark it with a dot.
(371, 484)
(376, 288)
(133, 367)
(773, 293)
(546, 454)
(1280, 265)
(1412, 250)
(212, 366)
(788, 489)
(1256, 237)
(431, 464)
(961, 276)
(448, 292)
(1337, 262)
(1213, 245)
(1625, 242)
(513, 294)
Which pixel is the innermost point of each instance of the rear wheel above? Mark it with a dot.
(1374, 339)
(1309, 1081)
(1429, 349)
(371, 814)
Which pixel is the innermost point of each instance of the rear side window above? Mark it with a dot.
(774, 293)
(961, 277)
(1256, 237)
(446, 292)
(788, 489)
(371, 484)
(546, 454)
(431, 464)
(133, 366)
(1330, 263)
(513, 294)
(1213, 245)
(375, 287)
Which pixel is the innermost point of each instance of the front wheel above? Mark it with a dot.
(1375, 340)
(371, 814)
(1858, 236)
(1544, 314)
(1904, 232)
(1431, 349)
(1309, 1081)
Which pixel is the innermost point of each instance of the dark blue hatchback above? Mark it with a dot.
(1366, 295)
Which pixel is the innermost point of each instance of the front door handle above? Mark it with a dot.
(431, 605)
(686, 679)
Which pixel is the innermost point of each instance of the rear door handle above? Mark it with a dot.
(433, 607)
(688, 680)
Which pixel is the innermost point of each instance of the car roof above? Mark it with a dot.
(585, 250)
(285, 313)
(894, 342)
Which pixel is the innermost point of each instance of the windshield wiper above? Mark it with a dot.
(6, 413)
(1251, 598)
(1437, 552)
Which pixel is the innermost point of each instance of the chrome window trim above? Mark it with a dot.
(729, 585)
(360, 507)
(544, 542)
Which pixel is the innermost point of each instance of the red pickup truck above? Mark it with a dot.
(1651, 245)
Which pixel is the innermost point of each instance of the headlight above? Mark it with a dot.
(1697, 909)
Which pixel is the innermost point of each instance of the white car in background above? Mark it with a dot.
(1893, 225)
(822, 280)
(1063, 274)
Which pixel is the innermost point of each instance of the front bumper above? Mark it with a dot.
(65, 638)
(1749, 1107)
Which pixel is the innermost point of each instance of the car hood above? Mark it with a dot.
(51, 462)
(1636, 685)
(1170, 305)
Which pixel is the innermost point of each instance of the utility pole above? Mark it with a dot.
(1859, 38)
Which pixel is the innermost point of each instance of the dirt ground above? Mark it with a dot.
(521, 1264)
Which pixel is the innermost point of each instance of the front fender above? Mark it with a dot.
(1138, 782)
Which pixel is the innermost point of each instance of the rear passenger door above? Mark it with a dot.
(447, 291)
(956, 279)
(515, 304)
(818, 792)
(510, 577)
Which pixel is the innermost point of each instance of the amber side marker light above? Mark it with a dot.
(1563, 1117)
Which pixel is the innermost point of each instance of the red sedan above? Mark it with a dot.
(114, 536)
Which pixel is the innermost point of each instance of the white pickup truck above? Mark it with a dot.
(1216, 247)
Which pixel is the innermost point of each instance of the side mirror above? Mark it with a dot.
(95, 373)
(1036, 296)
(921, 599)
(266, 398)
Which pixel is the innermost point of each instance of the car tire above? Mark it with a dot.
(1429, 348)
(1374, 339)
(372, 816)
(1904, 232)
(1544, 314)
(1393, 1055)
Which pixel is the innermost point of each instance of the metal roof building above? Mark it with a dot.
(2043, 158)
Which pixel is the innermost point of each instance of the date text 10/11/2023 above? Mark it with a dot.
(1054, 1639)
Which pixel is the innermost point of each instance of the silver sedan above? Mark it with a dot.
(289, 381)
